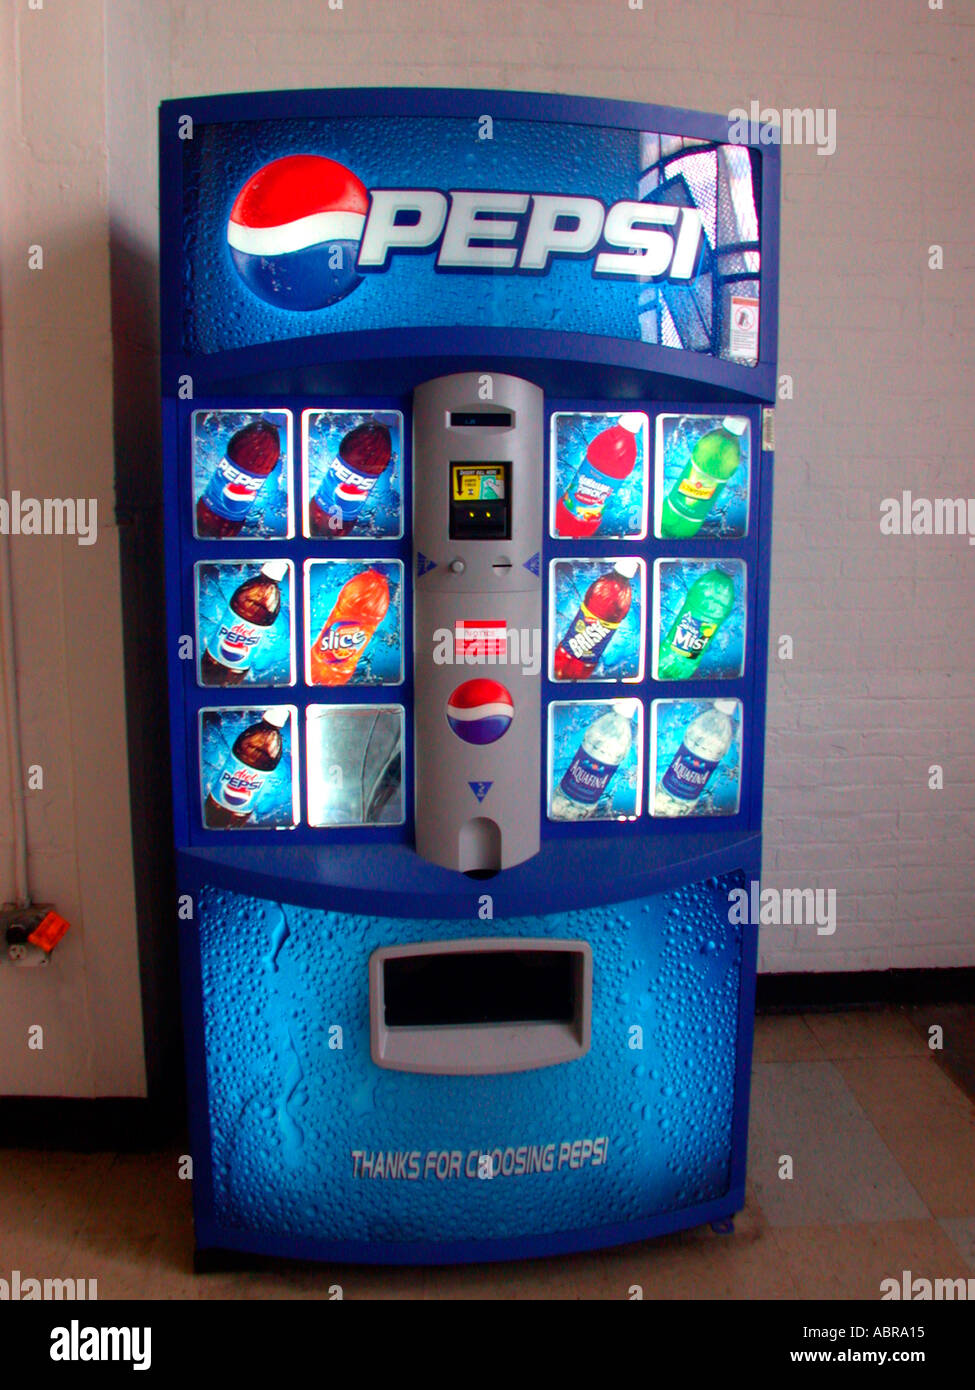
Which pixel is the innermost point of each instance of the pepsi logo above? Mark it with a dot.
(480, 711)
(240, 492)
(295, 229)
(351, 492)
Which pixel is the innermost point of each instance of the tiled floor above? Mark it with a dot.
(880, 1131)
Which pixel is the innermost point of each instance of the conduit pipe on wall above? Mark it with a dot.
(8, 696)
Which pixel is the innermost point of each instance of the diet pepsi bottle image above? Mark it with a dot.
(252, 611)
(363, 456)
(706, 740)
(604, 746)
(252, 455)
(255, 754)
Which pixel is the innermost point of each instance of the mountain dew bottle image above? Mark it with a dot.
(713, 460)
(604, 746)
(706, 740)
(709, 601)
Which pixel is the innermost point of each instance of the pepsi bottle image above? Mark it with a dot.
(255, 754)
(252, 611)
(363, 456)
(252, 455)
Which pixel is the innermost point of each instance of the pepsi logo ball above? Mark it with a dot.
(295, 229)
(480, 711)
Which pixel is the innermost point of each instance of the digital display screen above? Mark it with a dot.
(466, 419)
(481, 482)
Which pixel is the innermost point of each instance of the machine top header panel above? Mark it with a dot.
(354, 224)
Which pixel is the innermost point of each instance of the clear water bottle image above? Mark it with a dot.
(604, 746)
(706, 741)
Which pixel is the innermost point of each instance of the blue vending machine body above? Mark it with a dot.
(468, 471)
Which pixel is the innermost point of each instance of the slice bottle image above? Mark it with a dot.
(709, 601)
(362, 604)
(715, 458)
(235, 641)
(256, 753)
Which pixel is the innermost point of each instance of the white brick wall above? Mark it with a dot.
(880, 350)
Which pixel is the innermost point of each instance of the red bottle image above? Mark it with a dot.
(363, 456)
(609, 462)
(253, 609)
(255, 754)
(252, 454)
(601, 612)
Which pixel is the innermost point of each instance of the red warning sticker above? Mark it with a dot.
(482, 639)
(744, 327)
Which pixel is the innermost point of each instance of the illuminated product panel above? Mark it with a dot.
(468, 516)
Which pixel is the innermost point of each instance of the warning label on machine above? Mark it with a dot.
(441, 1165)
(485, 638)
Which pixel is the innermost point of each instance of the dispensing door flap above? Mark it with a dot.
(480, 1006)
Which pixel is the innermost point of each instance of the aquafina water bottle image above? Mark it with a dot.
(595, 750)
(697, 756)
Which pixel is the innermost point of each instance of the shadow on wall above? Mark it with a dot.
(139, 512)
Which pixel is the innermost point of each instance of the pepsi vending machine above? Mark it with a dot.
(468, 475)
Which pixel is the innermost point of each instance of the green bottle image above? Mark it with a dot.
(709, 601)
(714, 458)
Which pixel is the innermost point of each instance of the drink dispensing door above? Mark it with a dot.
(477, 536)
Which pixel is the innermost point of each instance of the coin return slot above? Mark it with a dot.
(476, 1007)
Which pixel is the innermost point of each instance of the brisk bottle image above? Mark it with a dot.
(714, 459)
(362, 604)
(709, 601)
(252, 611)
(252, 455)
(606, 604)
(706, 740)
(363, 456)
(256, 753)
(604, 746)
(609, 461)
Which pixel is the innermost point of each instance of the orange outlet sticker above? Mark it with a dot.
(49, 932)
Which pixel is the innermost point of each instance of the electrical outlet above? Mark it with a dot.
(28, 935)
